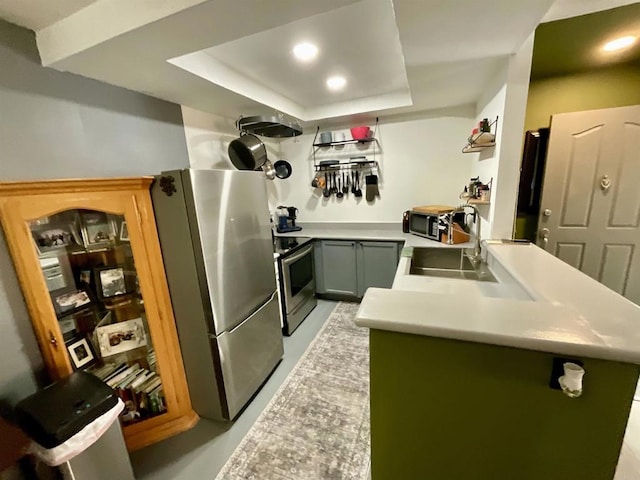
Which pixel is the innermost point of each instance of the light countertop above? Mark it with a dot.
(391, 232)
(539, 303)
(556, 308)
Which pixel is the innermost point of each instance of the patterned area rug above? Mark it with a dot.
(317, 425)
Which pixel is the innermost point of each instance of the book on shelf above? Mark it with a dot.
(119, 369)
(140, 380)
(152, 385)
(104, 371)
(114, 380)
(130, 378)
(141, 386)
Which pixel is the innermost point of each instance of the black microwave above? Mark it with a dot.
(424, 224)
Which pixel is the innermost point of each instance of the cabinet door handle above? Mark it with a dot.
(52, 340)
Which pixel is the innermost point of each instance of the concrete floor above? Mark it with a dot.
(201, 452)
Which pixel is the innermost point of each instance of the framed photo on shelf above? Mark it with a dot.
(111, 282)
(121, 337)
(69, 301)
(84, 277)
(80, 352)
(124, 232)
(68, 327)
(98, 230)
(49, 237)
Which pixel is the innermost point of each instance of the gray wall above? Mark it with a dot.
(59, 125)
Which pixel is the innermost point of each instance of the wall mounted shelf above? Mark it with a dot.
(344, 142)
(482, 140)
(349, 155)
(372, 138)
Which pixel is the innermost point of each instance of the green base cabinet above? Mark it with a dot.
(336, 265)
(346, 268)
(448, 409)
(377, 264)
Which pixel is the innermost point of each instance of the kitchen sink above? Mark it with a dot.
(448, 263)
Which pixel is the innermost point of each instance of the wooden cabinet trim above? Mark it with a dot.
(24, 201)
(66, 186)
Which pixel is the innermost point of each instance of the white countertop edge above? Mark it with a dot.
(601, 352)
(384, 309)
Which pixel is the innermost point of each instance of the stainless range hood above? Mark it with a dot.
(272, 126)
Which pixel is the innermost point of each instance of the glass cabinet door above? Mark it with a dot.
(88, 267)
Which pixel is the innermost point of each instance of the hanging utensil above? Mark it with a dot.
(339, 194)
(358, 191)
(345, 189)
(353, 182)
(326, 192)
(269, 170)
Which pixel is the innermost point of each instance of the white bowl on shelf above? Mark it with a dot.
(481, 138)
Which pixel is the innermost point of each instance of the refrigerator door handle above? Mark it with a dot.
(264, 305)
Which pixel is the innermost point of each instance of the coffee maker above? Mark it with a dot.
(286, 219)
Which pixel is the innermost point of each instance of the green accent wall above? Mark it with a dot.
(605, 88)
(447, 409)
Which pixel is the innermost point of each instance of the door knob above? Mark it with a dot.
(544, 233)
(547, 212)
(605, 183)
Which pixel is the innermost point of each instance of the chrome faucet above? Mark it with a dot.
(477, 253)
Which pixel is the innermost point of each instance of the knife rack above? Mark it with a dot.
(348, 166)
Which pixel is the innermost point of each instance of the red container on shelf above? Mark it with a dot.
(360, 133)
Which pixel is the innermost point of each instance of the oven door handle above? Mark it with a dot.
(297, 256)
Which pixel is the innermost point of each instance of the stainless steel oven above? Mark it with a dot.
(297, 285)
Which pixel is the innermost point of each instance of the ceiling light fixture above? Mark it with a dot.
(336, 83)
(619, 43)
(305, 51)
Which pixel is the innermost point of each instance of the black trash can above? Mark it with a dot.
(57, 417)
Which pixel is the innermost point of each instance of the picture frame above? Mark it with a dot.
(80, 352)
(111, 281)
(124, 232)
(84, 277)
(68, 327)
(121, 337)
(69, 301)
(98, 230)
(57, 236)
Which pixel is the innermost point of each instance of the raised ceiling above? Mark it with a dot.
(447, 51)
(367, 53)
(574, 45)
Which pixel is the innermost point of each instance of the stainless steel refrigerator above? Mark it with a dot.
(217, 248)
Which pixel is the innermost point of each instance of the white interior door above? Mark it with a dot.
(590, 212)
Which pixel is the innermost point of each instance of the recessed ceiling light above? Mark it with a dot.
(336, 83)
(305, 51)
(619, 43)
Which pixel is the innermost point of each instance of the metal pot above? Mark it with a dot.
(247, 152)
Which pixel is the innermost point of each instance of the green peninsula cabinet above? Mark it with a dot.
(345, 269)
(448, 409)
(471, 390)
